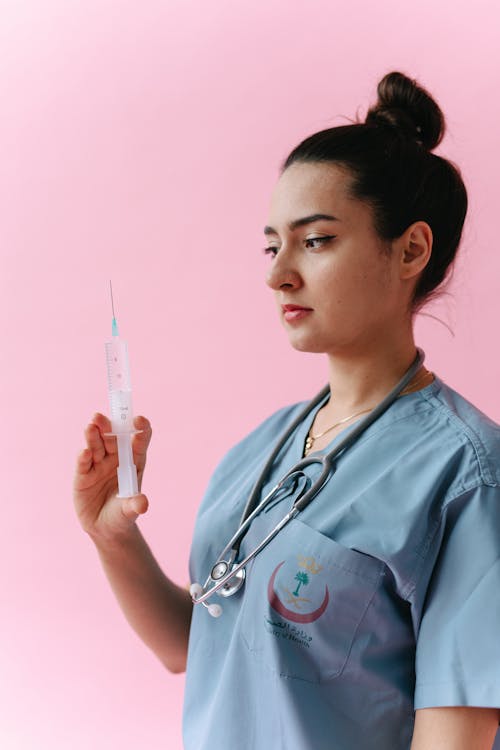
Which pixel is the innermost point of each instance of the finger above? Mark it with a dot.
(141, 440)
(95, 443)
(84, 461)
(104, 425)
(140, 445)
(132, 507)
(141, 423)
(102, 421)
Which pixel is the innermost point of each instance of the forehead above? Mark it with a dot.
(310, 188)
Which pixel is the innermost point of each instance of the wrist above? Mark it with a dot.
(115, 542)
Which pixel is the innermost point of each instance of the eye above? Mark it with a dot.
(322, 240)
(271, 250)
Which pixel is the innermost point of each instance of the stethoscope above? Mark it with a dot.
(227, 576)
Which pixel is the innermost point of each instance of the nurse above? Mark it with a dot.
(372, 620)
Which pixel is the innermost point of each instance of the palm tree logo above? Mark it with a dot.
(303, 580)
(294, 607)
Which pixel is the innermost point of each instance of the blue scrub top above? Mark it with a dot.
(382, 597)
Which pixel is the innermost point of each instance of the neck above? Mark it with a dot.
(362, 379)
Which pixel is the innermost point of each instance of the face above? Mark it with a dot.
(336, 285)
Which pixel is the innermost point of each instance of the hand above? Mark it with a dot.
(101, 513)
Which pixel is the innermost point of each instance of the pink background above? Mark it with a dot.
(140, 141)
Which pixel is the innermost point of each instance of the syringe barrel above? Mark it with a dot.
(119, 386)
(122, 415)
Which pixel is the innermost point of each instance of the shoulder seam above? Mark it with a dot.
(463, 428)
(426, 546)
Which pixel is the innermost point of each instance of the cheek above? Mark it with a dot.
(375, 277)
(344, 283)
(357, 290)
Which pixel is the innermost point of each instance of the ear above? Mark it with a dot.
(415, 249)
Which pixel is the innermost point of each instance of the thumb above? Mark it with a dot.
(134, 506)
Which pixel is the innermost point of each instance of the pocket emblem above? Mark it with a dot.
(296, 605)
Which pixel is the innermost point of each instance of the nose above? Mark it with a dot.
(282, 273)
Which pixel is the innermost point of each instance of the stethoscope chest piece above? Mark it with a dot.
(233, 584)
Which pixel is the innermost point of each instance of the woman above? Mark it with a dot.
(371, 620)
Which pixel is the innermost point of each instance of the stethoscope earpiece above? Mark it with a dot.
(219, 571)
(195, 590)
(214, 609)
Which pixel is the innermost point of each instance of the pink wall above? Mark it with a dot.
(140, 141)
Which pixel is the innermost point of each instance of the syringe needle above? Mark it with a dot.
(114, 324)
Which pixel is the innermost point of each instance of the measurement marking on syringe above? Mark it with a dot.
(120, 398)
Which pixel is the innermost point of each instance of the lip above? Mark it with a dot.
(294, 312)
(291, 308)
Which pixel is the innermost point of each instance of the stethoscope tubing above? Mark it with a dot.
(349, 437)
(280, 444)
(246, 523)
(236, 569)
(306, 497)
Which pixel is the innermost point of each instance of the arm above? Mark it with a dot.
(455, 728)
(157, 609)
(458, 648)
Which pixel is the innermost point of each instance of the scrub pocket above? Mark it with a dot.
(305, 597)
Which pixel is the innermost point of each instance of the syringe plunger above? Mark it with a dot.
(127, 473)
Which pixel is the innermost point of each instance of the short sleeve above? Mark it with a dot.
(458, 642)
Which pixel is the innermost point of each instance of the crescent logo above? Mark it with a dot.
(289, 614)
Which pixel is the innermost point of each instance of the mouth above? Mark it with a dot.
(294, 312)
(292, 308)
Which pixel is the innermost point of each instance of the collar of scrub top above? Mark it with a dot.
(224, 571)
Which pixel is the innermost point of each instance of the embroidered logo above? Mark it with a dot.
(297, 607)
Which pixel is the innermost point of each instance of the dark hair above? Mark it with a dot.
(392, 168)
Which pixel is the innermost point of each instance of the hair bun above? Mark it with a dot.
(407, 107)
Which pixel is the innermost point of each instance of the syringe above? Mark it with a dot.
(120, 400)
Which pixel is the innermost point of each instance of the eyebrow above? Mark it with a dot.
(302, 222)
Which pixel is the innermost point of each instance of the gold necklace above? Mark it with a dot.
(311, 439)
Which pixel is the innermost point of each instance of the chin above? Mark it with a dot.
(305, 344)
